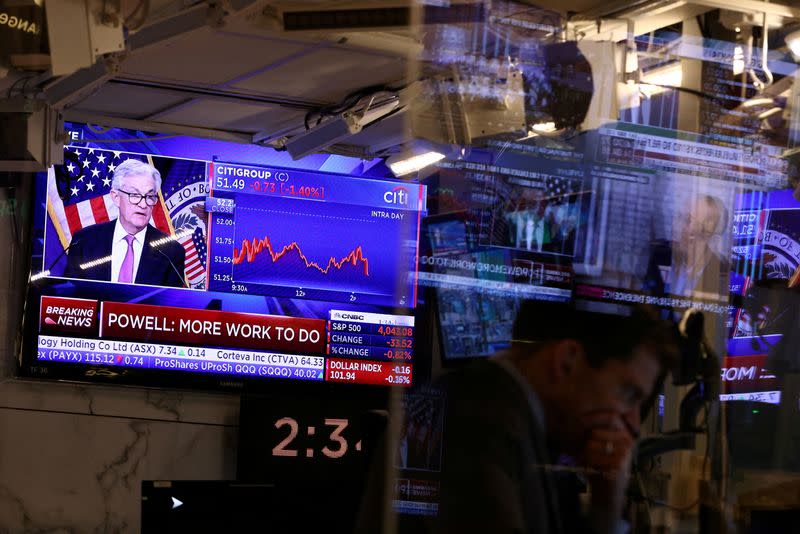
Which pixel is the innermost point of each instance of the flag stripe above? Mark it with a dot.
(85, 212)
(197, 269)
(73, 218)
(192, 254)
(99, 209)
(160, 218)
(111, 208)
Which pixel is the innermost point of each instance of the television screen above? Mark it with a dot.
(146, 266)
(509, 220)
(508, 223)
(474, 324)
(764, 269)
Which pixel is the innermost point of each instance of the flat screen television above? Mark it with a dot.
(764, 263)
(235, 275)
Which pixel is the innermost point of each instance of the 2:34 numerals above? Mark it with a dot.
(336, 447)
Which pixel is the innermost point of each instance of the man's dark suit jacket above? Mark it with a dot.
(496, 474)
(95, 242)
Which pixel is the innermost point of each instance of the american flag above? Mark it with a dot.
(78, 191)
(556, 186)
(195, 245)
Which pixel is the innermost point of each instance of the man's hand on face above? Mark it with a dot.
(607, 457)
(609, 447)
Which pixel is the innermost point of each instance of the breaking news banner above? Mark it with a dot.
(143, 322)
(61, 315)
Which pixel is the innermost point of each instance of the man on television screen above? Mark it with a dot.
(129, 249)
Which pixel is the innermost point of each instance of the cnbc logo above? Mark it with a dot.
(60, 314)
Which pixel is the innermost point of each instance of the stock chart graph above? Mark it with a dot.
(308, 248)
(251, 249)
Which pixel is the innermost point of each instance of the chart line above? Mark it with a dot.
(252, 248)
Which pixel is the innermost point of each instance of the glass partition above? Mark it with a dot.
(599, 167)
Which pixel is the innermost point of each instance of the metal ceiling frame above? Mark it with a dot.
(69, 90)
(157, 127)
(73, 88)
(610, 20)
(751, 6)
(630, 8)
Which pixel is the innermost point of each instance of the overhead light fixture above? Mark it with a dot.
(544, 127)
(753, 102)
(337, 129)
(411, 161)
(738, 60)
(769, 113)
(321, 137)
(539, 128)
(793, 42)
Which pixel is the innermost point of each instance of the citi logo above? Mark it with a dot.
(398, 195)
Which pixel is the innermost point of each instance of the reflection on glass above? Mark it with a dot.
(676, 190)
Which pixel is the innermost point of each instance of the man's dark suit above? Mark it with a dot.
(95, 242)
(496, 466)
(494, 474)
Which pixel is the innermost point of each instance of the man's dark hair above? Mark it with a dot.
(604, 336)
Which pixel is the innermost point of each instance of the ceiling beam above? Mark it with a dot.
(751, 6)
(156, 127)
(212, 93)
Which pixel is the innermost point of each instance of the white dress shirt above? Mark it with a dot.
(119, 248)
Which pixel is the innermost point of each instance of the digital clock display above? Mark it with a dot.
(293, 435)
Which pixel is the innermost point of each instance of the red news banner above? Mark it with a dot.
(747, 374)
(142, 322)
